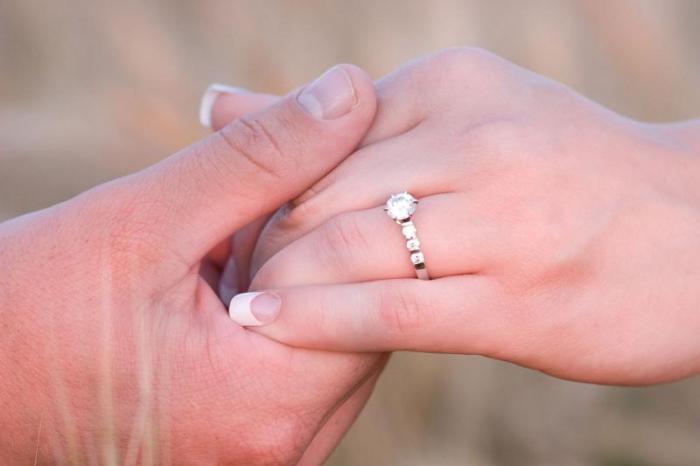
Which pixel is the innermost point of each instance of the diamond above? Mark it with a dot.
(409, 230)
(413, 244)
(417, 258)
(401, 206)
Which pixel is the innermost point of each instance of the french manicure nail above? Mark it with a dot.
(209, 98)
(330, 96)
(254, 309)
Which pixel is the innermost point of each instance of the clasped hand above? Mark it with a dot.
(559, 235)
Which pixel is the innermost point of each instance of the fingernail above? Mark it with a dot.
(228, 284)
(209, 98)
(330, 96)
(254, 309)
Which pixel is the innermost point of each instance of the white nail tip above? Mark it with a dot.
(239, 310)
(209, 98)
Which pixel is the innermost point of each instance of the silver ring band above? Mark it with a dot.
(400, 208)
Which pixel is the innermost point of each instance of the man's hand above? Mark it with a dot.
(115, 349)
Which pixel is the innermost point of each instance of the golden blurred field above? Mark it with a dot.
(90, 90)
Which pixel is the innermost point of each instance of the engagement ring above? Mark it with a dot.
(400, 208)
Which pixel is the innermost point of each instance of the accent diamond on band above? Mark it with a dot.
(400, 208)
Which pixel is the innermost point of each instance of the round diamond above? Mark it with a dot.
(413, 244)
(401, 206)
(409, 230)
(417, 258)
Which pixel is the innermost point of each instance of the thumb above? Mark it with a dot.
(254, 164)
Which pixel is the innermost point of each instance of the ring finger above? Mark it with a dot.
(367, 245)
(361, 182)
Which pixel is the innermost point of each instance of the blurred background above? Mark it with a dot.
(90, 90)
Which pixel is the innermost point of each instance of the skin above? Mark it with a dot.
(561, 236)
(115, 349)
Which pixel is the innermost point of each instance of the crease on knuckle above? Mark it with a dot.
(400, 311)
(342, 238)
(252, 140)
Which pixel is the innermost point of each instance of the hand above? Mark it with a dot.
(226, 267)
(561, 236)
(115, 350)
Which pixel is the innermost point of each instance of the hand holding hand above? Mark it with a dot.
(561, 236)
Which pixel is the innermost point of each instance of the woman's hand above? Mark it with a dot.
(115, 350)
(560, 235)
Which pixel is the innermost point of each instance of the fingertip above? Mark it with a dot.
(255, 309)
(209, 99)
(365, 94)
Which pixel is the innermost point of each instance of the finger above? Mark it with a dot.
(195, 199)
(221, 104)
(244, 242)
(232, 102)
(227, 286)
(367, 245)
(401, 97)
(235, 270)
(381, 169)
(402, 104)
(464, 314)
(427, 87)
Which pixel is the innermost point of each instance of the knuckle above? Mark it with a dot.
(550, 96)
(400, 311)
(342, 237)
(254, 140)
(454, 71)
(506, 131)
(491, 144)
(465, 54)
(465, 62)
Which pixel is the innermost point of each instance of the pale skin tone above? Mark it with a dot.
(561, 236)
(114, 348)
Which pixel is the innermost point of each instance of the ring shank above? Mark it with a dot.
(422, 273)
(413, 244)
